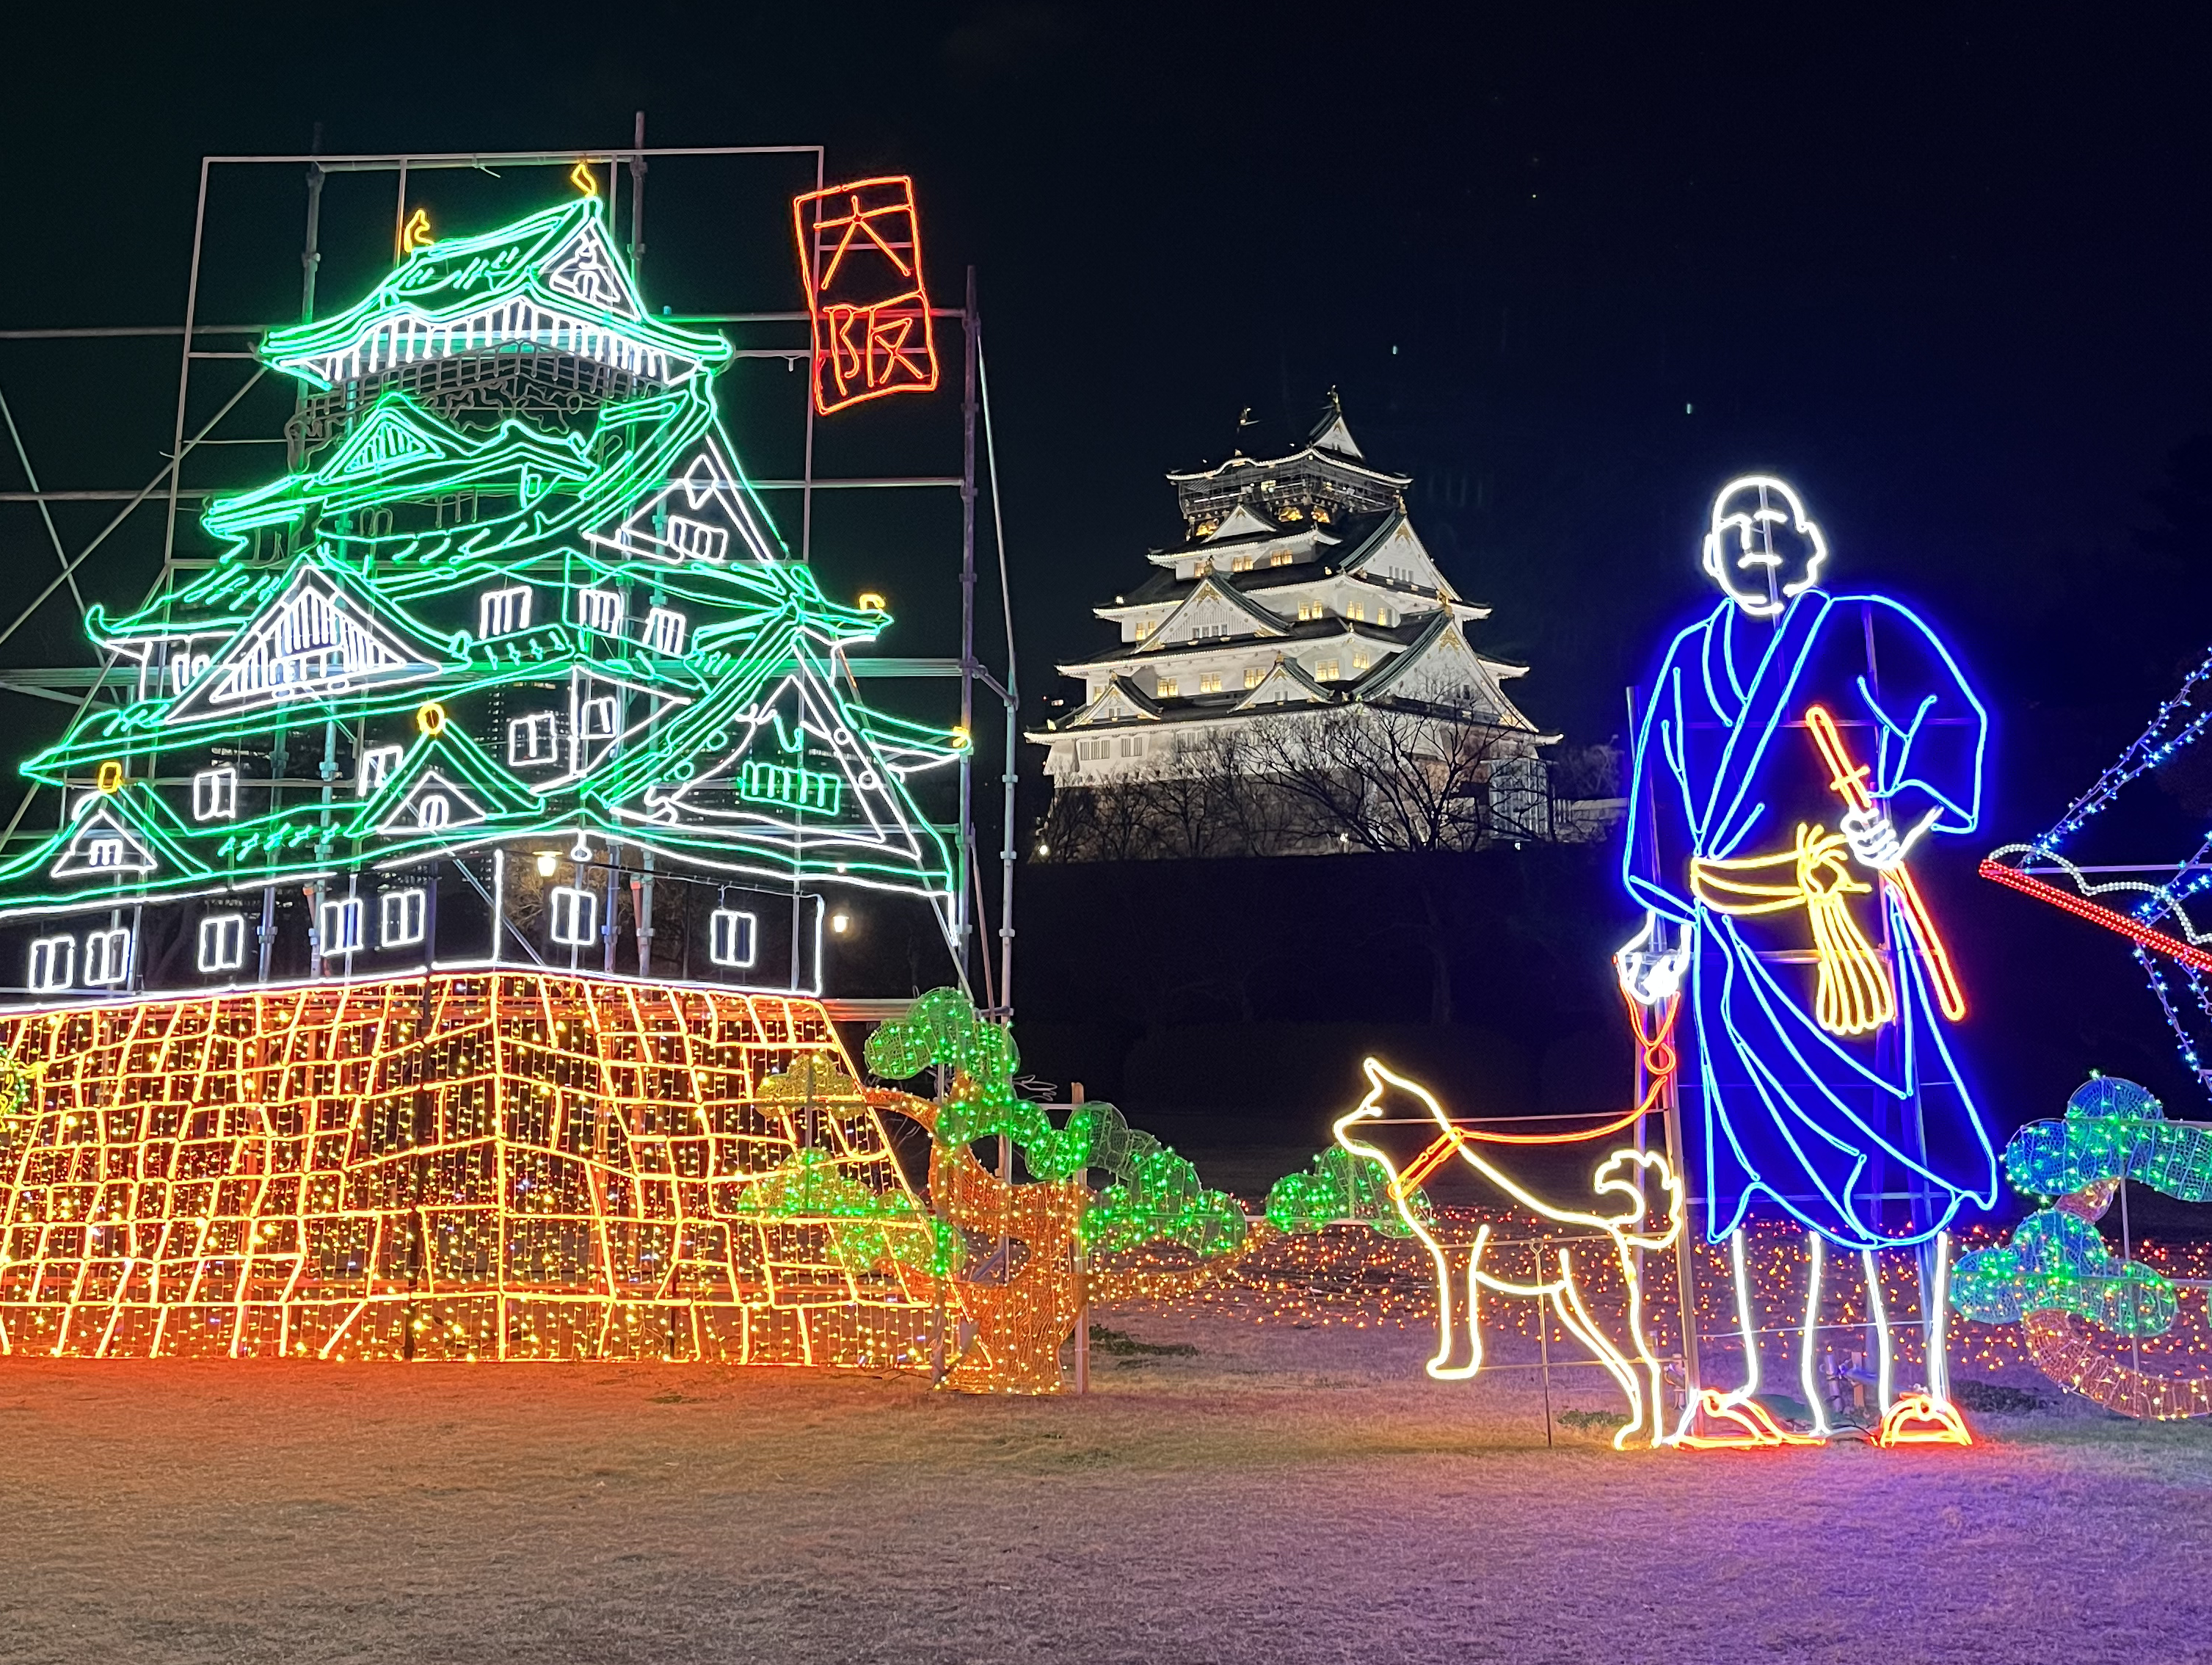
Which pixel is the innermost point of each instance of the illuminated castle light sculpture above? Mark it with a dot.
(329, 1038)
(1301, 589)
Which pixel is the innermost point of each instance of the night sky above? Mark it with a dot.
(1944, 266)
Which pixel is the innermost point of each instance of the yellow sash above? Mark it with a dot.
(1852, 992)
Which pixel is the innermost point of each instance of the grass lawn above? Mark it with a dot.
(1282, 1494)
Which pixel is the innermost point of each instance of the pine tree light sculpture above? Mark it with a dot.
(331, 1041)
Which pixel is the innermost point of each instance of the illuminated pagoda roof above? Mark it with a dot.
(536, 606)
(1325, 479)
(549, 281)
(1302, 584)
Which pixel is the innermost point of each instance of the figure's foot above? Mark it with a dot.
(1721, 1422)
(1923, 1419)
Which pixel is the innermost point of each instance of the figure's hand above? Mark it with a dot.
(1873, 838)
(1650, 972)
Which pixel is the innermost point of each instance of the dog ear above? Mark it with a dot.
(1651, 1214)
(1402, 1095)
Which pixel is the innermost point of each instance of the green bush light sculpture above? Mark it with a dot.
(1152, 1195)
(1340, 1189)
(868, 1228)
(2056, 1260)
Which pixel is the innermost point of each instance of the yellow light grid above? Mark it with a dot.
(480, 1166)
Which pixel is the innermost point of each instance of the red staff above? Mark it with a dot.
(1848, 781)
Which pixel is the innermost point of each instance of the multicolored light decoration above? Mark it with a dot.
(1707, 792)
(1152, 1195)
(516, 508)
(860, 257)
(2057, 1266)
(1024, 1305)
(2154, 915)
(1342, 1189)
(515, 608)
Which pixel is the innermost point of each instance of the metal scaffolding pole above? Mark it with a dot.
(48, 681)
(963, 890)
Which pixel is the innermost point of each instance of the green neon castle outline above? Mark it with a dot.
(517, 548)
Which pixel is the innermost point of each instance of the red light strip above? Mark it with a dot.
(2156, 941)
(1659, 1062)
(870, 337)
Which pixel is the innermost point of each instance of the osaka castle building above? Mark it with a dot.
(1300, 588)
(421, 965)
(509, 668)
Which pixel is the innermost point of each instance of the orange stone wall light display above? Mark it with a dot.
(470, 1166)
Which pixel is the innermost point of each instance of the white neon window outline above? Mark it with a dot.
(53, 962)
(697, 540)
(1754, 526)
(222, 942)
(434, 810)
(702, 481)
(574, 916)
(532, 739)
(338, 927)
(215, 795)
(105, 850)
(600, 610)
(107, 957)
(399, 918)
(376, 766)
(186, 668)
(733, 937)
(665, 629)
(503, 612)
(598, 717)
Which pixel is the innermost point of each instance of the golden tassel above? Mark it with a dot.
(1852, 993)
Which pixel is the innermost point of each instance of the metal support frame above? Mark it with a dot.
(60, 683)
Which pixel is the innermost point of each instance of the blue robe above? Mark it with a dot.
(1725, 767)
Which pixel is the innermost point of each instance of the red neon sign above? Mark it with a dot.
(859, 256)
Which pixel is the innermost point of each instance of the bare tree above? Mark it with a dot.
(1386, 778)
(1200, 794)
(1217, 775)
(1112, 822)
(1586, 792)
(1403, 781)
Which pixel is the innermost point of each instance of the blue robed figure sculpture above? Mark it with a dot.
(1772, 850)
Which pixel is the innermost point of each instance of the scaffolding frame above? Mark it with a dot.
(62, 683)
